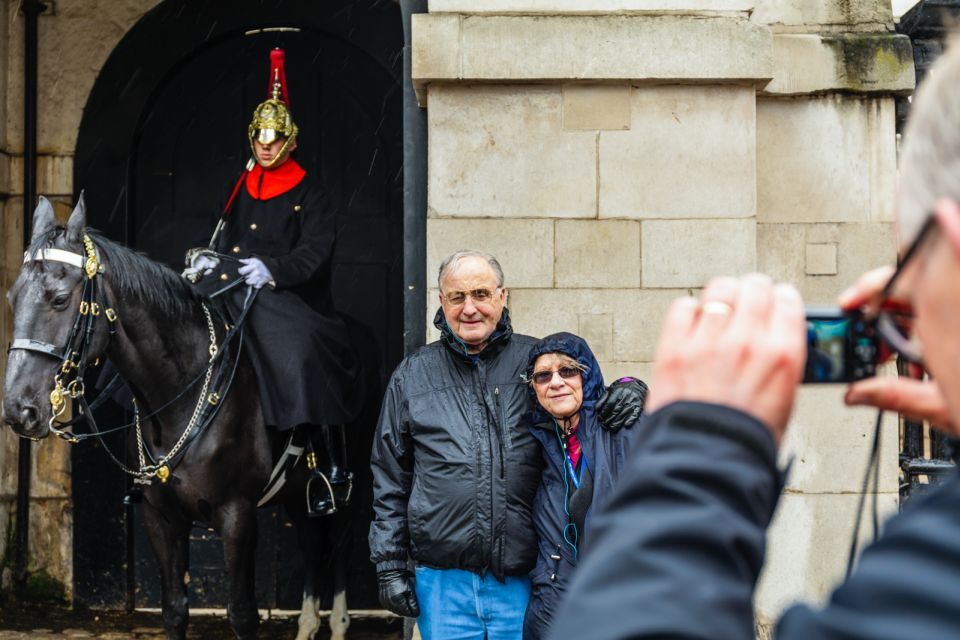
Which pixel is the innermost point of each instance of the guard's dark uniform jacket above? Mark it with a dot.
(677, 552)
(559, 502)
(455, 467)
(306, 367)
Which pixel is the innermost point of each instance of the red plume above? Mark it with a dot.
(277, 72)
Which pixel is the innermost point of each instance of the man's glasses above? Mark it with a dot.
(457, 298)
(544, 377)
(895, 319)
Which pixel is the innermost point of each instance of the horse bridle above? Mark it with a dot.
(74, 356)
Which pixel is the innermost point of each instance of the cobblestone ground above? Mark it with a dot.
(53, 623)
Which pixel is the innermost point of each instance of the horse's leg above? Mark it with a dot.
(170, 542)
(339, 616)
(239, 533)
(309, 535)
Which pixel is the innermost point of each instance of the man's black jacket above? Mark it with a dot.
(455, 468)
(677, 551)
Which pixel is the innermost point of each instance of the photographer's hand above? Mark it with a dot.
(917, 399)
(742, 345)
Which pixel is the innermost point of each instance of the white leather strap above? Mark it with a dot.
(58, 255)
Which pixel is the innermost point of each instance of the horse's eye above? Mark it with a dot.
(61, 300)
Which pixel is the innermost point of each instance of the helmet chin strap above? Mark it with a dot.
(281, 157)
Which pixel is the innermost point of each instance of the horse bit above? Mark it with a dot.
(73, 361)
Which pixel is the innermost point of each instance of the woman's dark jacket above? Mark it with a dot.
(306, 367)
(604, 454)
(455, 467)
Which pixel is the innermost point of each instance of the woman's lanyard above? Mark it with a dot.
(573, 474)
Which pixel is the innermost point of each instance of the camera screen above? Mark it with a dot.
(826, 349)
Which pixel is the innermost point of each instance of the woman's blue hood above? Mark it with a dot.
(577, 348)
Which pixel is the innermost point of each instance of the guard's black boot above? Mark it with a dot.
(329, 489)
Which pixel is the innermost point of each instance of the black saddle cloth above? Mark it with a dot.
(307, 369)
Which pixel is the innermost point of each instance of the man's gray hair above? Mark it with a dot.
(930, 159)
(454, 259)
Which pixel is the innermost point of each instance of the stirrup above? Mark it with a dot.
(323, 505)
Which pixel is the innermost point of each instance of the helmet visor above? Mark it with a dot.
(266, 136)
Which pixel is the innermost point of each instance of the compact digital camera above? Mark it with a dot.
(842, 346)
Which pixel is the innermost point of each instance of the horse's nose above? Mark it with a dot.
(20, 416)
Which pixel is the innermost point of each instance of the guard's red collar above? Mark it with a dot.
(265, 184)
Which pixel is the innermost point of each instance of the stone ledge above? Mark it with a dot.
(860, 63)
(54, 175)
(592, 7)
(555, 48)
(814, 15)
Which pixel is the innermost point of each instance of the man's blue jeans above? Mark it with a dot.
(460, 605)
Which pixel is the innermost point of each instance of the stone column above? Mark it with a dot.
(615, 154)
(75, 40)
(826, 152)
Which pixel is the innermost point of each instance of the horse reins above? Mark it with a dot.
(74, 360)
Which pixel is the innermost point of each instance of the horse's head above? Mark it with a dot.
(46, 300)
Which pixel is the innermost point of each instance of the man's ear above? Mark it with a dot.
(947, 212)
(503, 292)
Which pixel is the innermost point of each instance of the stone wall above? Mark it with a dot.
(615, 154)
(75, 40)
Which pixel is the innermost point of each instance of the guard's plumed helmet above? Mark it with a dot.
(272, 118)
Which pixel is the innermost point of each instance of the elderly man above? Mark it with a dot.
(678, 551)
(456, 468)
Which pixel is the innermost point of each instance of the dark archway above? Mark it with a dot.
(161, 142)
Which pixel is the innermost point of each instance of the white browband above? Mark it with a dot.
(59, 255)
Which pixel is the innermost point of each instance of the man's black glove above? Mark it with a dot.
(397, 594)
(621, 404)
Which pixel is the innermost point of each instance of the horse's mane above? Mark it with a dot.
(135, 275)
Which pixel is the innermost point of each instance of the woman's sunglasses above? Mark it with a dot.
(544, 377)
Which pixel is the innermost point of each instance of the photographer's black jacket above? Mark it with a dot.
(677, 551)
(455, 468)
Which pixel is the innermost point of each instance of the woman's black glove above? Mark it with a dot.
(397, 593)
(621, 404)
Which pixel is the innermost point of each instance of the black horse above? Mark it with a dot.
(157, 332)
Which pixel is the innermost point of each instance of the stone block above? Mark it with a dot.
(75, 45)
(601, 47)
(597, 253)
(637, 315)
(782, 249)
(821, 259)
(51, 469)
(54, 175)
(688, 253)
(51, 540)
(825, 159)
(830, 444)
(433, 38)
(704, 137)
(807, 547)
(596, 107)
(5, 185)
(593, 7)
(524, 248)
(861, 63)
(851, 15)
(500, 151)
(612, 370)
(597, 330)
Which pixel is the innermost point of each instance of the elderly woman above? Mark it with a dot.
(582, 462)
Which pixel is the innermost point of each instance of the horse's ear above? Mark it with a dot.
(43, 218)
(77, 222)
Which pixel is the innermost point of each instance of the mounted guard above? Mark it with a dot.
(275, 241)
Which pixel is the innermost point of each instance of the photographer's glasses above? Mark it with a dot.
(541, 378)
(895, 319)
